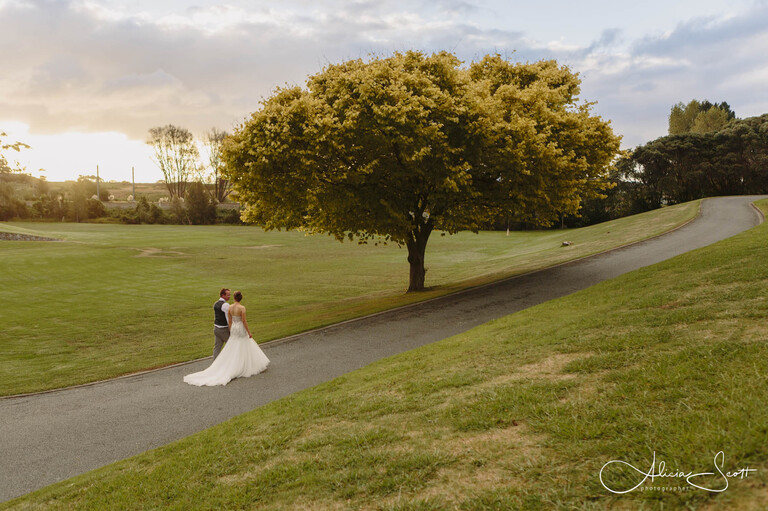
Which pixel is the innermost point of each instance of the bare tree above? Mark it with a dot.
(176, 154)
(213, 141)
(5, 166)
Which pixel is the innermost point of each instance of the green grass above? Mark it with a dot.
(519, 413)
(92, 308)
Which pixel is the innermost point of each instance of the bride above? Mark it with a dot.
(241, 356)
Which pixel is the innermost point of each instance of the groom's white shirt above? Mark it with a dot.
(224, 309)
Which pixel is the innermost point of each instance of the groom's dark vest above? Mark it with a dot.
(219, 317)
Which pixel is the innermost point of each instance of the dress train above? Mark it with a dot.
(241, 357)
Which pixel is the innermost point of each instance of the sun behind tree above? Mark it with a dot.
(394, 148)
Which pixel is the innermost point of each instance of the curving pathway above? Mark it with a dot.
(53, 436)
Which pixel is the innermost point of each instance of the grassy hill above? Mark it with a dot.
(520, 413)
(120, 189)
(91, 307)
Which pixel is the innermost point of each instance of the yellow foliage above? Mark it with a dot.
(397, 147)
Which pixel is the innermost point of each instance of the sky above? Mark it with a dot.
(82, 82)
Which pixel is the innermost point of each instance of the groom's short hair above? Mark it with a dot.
(223, 291)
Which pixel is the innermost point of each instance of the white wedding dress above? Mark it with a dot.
(240, 357)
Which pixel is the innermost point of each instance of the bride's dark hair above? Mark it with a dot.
(238, 296)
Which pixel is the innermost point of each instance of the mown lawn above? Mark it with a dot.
(520, 413)
(115, 299)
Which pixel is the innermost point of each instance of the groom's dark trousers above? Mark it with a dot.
(221, 335)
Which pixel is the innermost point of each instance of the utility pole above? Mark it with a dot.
(133, 180)
(98, 195)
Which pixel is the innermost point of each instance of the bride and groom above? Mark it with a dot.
(235, 353)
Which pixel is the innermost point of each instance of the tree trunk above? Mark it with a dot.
(416, 248)
(222, 189)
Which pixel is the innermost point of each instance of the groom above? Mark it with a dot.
(220, 323)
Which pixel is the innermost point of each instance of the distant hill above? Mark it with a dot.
(124, 189)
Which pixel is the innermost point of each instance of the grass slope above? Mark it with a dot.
(115, 299)
(520, 413)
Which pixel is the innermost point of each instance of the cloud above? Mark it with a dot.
(94, 67)
(702, 58)
(85, 66)
(52, 75)
(158, 79)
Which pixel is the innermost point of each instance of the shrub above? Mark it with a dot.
(48, 207)
(10, 206)
(95, 208)
(229, 216)
(199, 206)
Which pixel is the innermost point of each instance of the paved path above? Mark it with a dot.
(50, 437)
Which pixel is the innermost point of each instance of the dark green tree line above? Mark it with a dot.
(688, 166)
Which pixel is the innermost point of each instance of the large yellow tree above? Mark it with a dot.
(396, 148)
